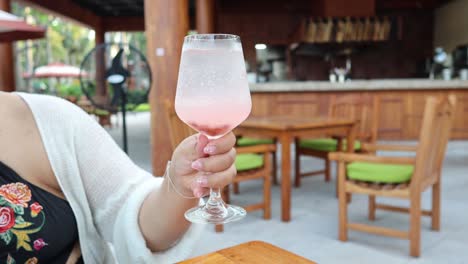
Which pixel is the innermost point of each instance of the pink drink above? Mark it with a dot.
(213, 119)
(213, 96)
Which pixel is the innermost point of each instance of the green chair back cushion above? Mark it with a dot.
(326, 144)
(246, 141)
(248, 162)
(379, 173)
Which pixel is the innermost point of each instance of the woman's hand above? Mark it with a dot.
(199, 164)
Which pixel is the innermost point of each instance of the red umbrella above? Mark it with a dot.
(55, 70)
(13, 28)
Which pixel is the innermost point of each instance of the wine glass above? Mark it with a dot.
(213, 97)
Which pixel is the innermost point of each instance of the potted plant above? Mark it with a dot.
(72, 92)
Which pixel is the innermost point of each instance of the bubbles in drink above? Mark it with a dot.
(213, 95)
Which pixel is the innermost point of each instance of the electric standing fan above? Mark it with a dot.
(116, 77)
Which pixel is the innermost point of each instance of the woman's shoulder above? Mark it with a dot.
(51, 107)
(45, 101)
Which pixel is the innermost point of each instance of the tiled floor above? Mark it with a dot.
(312, 233)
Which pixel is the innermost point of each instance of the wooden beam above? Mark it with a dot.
(406, 4)
(205, 16)
(123, 23)
(397, 193)
(166, 23)
(389, 147)
(378, 230)
(351, 157)
(7, 67)
(67, 9)
(399, 209)
(344, 8)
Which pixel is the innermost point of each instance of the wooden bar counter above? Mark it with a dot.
(401, 107)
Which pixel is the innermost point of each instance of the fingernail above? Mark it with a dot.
(197, 165)
(202, 181)
(198, 194)
(209, 149)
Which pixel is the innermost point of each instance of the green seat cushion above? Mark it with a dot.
(142, 108)
(100, 112)
(378, 172)
(325, 144)
(246, 141)
(248, 162)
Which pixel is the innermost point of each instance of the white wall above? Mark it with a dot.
(451, 25)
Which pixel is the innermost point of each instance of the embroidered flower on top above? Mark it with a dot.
(36, 208)
(16, 193)
(14, 198)
(32, 261)
(7, 219)
(39, 244)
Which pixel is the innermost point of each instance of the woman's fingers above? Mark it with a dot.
(215, 163)
(204, 181)
(200, 192)
(220, 145)
(198, 146)
(221, 179)
(214, 180)
(210, 162)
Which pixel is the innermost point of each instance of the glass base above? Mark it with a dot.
(215, 215)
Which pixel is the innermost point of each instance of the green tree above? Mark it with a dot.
(65, 42)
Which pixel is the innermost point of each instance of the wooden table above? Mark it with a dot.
(286, 129)
(250, 252)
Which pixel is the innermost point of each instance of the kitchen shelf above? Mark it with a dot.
(347, 30)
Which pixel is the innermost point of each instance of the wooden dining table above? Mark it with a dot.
(254, 252)
(285, 129)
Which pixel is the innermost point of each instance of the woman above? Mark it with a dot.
(68, 194)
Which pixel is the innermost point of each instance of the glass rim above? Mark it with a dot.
(211, 37)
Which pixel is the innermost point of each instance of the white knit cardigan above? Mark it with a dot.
(104, 187)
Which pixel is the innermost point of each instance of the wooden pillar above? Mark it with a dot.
(166, 24)
(99, 38)
(205, 16)
(7, 67)
(250, 53)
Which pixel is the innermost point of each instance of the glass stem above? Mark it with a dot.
(215, 204)
(215, 192)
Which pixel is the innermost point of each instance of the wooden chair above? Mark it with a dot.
(363, 108)
(252, 163)
(399, 177)
(249, 142)
(104, 117)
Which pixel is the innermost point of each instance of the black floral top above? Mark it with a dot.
(35, 225)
